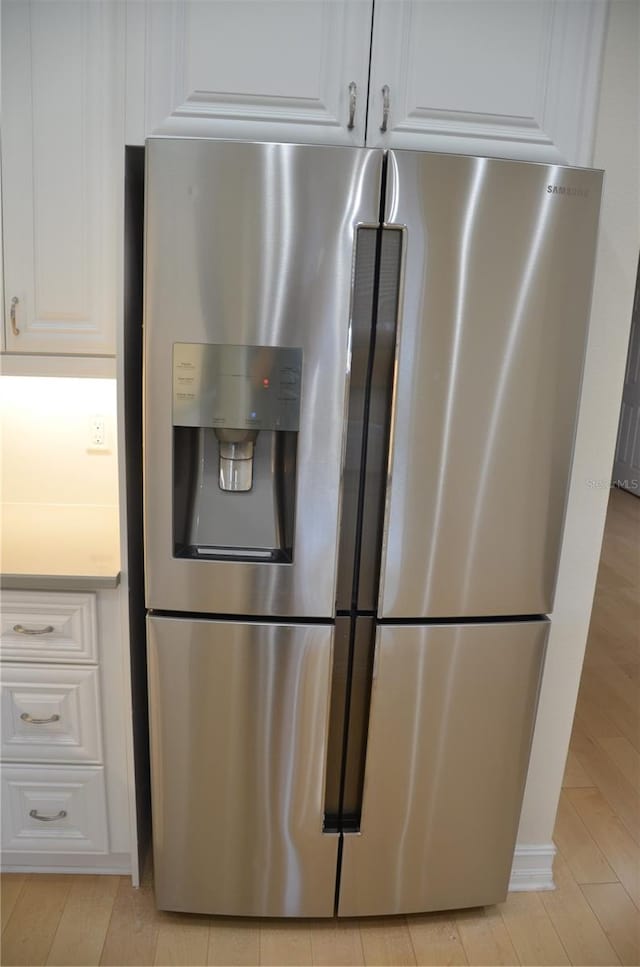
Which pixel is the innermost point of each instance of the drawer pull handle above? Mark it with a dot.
(27, 718)
(21, 630)
(47, 819)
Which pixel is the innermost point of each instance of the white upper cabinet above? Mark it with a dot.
(510, 78)
(513, 78)
(62, 147)
(282, 70)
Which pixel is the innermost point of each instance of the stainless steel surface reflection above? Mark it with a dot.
(239, 721)
(452, 714)
(497, 292)
(253, 244)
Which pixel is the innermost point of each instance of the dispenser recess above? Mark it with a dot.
(236, 415)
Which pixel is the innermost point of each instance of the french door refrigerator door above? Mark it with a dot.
(450, 727)
(249, 263)
(239, 722)
(498, 268)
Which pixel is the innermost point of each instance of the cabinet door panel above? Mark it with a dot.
(50, 713)
(59, 169)
(484, 77)
(53, 809)
(55, 626)
(262, 71)
(452, 713)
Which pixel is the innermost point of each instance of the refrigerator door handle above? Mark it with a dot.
(365, 255)
(379, 414)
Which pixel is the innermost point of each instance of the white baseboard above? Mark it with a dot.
(115, 863)
(532, 868)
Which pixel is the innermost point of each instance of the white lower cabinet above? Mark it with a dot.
(54, 810)
(48, 626)
(51, 713)
(65, 792)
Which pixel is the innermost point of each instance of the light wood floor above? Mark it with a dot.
(591, 918)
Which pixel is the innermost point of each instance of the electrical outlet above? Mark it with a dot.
(98, 433)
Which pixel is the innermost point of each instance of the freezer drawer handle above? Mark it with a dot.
(27, 718)
(385, 108)
(353, 93)
(21, 630)
(47, 819)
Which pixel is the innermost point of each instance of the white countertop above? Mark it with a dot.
(59, 546)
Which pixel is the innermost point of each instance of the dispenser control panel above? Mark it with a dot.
(255, 387)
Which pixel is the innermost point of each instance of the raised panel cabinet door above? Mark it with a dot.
(61, 151)
(260, 70)
(484, 77)
(52, 809)
(50, 713)
(48, 626)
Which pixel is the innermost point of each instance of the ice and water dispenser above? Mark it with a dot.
(236, 415)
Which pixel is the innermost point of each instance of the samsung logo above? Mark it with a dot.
(561, 190)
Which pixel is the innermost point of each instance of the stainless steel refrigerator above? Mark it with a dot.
(362, 372)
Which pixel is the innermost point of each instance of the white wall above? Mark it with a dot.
(45, 442)
(617, 150)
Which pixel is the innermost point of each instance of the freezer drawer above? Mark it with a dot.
(239, 722)
(452, 714)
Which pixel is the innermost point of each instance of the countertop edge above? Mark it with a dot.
(58, 582)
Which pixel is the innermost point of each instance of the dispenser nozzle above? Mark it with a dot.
(235, 451)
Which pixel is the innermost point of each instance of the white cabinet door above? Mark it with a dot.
(50, 713)
(48, 626)
(55, 809)
(258, 70)
(62, 68)
(516, 79)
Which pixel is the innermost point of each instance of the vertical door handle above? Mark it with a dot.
(385, 108)
(14, 328)
(353, 94)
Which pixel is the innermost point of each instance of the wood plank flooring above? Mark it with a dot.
(593, 917)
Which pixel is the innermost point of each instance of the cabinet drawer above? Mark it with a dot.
(54, 809)
(50, 712)
(48, 626)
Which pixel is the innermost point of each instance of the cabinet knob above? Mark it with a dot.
(353, 94)
(47, 819)
(385, 108)
(31, 721)
(14, 327)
